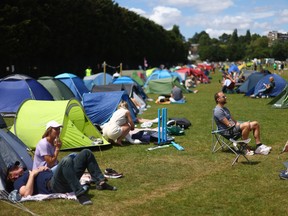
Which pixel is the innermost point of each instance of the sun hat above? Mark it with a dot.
(53, 124)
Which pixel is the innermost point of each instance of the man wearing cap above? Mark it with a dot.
(65, 178)
(48, 147)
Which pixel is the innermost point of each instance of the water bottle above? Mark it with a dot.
(177, 146)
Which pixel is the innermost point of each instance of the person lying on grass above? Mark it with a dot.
(225, 121)
(65, 179)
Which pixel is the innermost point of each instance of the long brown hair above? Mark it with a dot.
(47, 132)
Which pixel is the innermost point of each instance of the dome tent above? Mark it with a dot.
(75, 84)
(57, 89)
(17, 88)
(77, 132)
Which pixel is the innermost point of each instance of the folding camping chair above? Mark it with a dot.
(220, 141)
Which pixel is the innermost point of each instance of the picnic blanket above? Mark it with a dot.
(86, 177)
(42, 197)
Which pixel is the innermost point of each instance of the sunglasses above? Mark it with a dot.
(222, 97)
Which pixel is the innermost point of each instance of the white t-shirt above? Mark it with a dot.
(112, 129)
(227, 82)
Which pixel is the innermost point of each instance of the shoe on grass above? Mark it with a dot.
(269, 147)
(83, 199)
(249, 152)
(111, 173)
(105, 186)
(263, 149)
(284, 175)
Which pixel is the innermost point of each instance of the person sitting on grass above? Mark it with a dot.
(119, 125)
(225, 121)
(47, 149)
(176, 95)
(266, 91)
(65, 179)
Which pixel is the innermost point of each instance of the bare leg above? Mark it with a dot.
(125, 130)
(142, 120)
(256, 131)
(246, 127)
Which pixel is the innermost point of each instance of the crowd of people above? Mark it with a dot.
(49, 175)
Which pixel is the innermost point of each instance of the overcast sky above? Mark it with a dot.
(214, 16)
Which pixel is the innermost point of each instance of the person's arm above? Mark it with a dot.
(28, 189)
(227, 122)
(51, 159)
(235, 121)
(130, 120)
(267, 86)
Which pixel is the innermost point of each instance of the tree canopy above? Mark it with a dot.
(49, 37)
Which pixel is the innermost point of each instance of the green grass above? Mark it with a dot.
(194, 181)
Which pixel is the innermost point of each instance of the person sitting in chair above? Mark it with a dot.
(231, 128)
(264, 92)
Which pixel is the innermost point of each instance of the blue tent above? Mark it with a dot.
(97, 79)
(17, 88)
(128, 80)
(75, 84)
(233, 68)
(249, 85)
(99, 106)
(12, 149)
(280, 84)
(123, 80)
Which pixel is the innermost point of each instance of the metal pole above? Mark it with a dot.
(159, 126)
(104, 70)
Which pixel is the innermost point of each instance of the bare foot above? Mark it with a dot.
(119, 143)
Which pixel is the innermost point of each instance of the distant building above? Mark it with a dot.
(274, 36)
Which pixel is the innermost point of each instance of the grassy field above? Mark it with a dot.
(194, 181)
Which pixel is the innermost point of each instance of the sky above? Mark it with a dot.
(215, 17)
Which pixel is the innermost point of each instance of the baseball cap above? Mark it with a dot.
(53, 124)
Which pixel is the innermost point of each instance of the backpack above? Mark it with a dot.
(181, 122)
(175, 130)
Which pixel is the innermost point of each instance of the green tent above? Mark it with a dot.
(77, 132)
(280, 101)
(163, 86)
(56, 88)
(137, 78)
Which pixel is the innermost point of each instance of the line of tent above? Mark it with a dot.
(66, 99)
(34, 107)
(20, 91)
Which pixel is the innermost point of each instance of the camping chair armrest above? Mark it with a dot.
(223, 130)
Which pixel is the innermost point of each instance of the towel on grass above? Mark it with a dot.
(42, 197)
(86, 177)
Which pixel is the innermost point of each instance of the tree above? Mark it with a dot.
(234, 37)
(279, 51)
(224, 38)
(248, 37)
